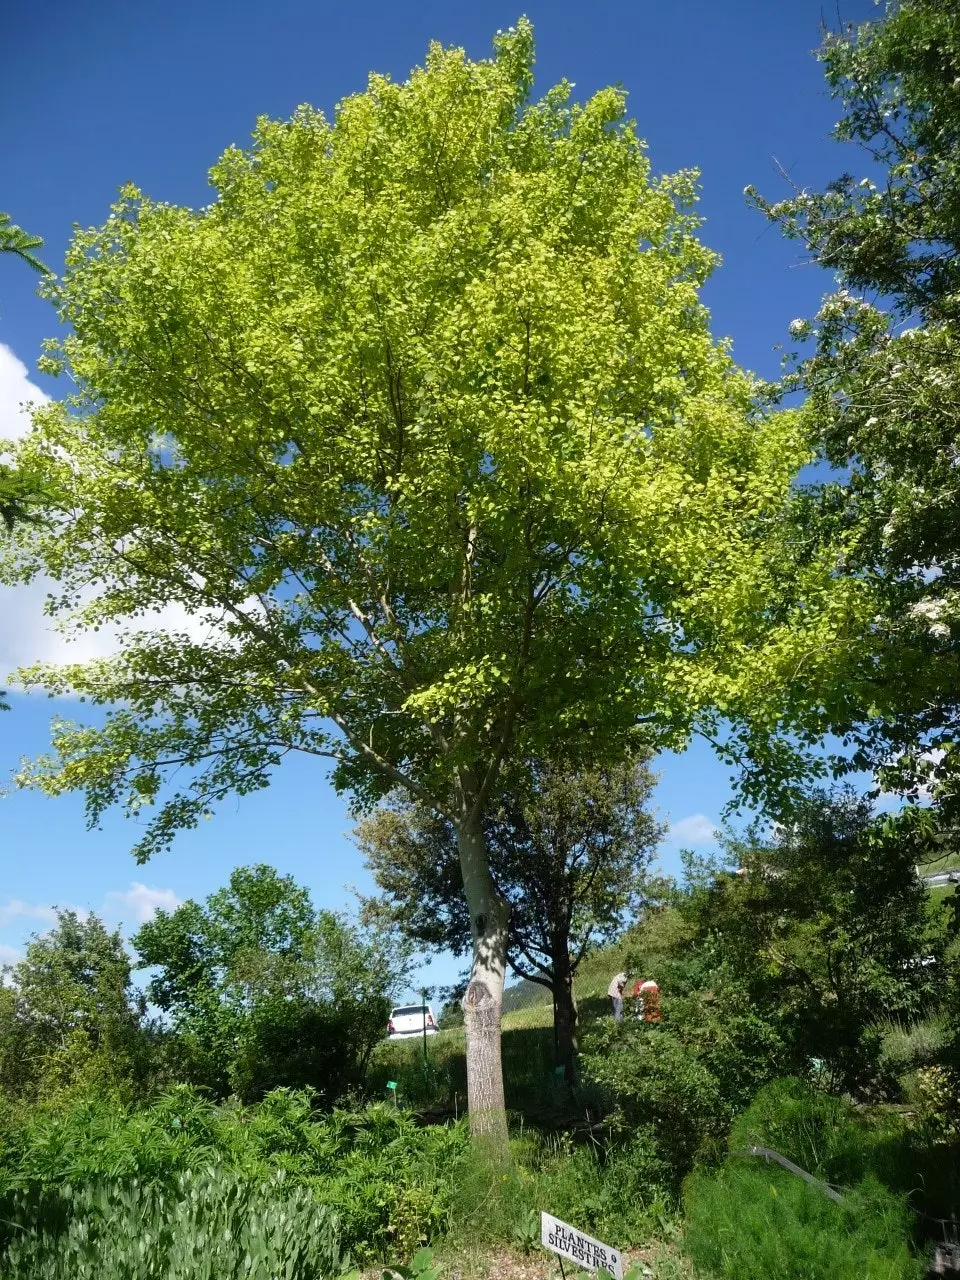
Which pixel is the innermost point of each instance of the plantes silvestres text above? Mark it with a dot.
(422, 414)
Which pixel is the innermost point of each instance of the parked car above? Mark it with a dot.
(411, 1020)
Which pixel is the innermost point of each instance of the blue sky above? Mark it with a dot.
(111, 93)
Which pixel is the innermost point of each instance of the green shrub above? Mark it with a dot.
(204, 1226)
(685, 1079)
(620, 1192)
(841, 1144)
(805, 1125)
(747, 1223)
(844, 1145)
(617, 1192)
(389, 1180)
(935, 1093)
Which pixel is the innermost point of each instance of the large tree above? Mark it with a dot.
(570, 853)
(883, 379)
(422, 422)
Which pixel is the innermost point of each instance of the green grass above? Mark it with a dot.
(945, 862)
(939, 893)
(440, 1080)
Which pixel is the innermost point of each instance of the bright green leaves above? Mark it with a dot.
(423, 419)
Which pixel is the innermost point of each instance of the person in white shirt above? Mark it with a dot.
(615, 992)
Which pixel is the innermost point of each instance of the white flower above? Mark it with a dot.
(930, 612)
(798, 328)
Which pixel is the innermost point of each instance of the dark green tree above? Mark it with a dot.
(882, 372)
(263, 990)
(826, 926)
(570, 853)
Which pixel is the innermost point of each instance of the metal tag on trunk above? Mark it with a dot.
(568, 1242)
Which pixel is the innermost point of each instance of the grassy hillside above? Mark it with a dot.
(528, 1048)
(528, 1043)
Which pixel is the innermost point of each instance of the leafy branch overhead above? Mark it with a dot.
(18, 497)
(15, 240)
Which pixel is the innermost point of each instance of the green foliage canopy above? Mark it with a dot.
(421, 417)
(69, 1016)
(884, 378)
(829, 930)
(17, 494)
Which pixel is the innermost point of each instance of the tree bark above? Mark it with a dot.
(565, 1010)
(483, 1001)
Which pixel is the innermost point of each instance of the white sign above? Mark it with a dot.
(572, 1244)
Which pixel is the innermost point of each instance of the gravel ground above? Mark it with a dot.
(657, 1261)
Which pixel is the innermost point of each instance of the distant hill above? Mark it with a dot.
(592, 979)
(522, 994)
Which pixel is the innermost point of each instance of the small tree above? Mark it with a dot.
(263, 990)
(422, 420)
(70, 1014)
(570, 853)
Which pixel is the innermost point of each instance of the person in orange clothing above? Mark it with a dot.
(647, 995)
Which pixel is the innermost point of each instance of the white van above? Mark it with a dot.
(411, 1020)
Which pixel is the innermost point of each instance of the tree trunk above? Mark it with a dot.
(483, 1000)
(564, 1010)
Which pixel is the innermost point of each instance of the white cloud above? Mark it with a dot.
(694, 830)
(28, 635)
(15, 909)
(15, 389)
(142, 900)
(133, 906)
